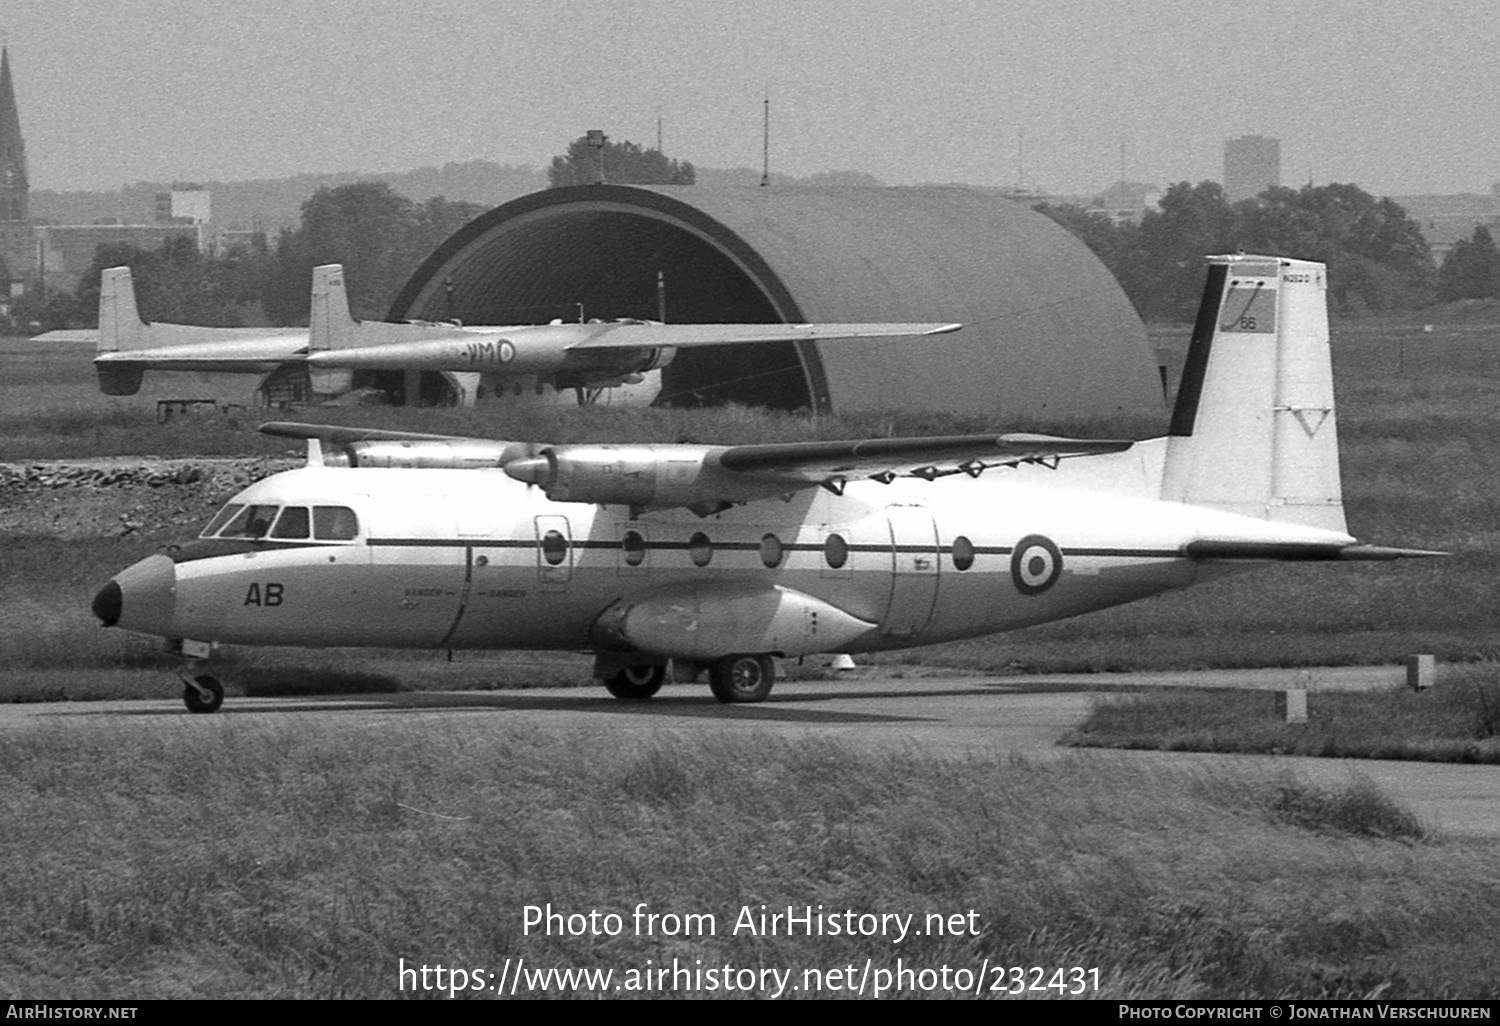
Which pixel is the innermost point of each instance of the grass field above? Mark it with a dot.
(1457, 721)
(240, 857)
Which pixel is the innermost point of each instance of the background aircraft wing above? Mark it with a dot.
(677, 336)
(908, 457)
(336, 434)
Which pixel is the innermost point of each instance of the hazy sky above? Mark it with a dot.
(1399, 97)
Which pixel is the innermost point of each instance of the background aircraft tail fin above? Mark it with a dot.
(1253, 430)
(120, 326)
(330, 326)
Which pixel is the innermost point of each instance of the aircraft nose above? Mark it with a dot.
(107, 604)
(140, 598)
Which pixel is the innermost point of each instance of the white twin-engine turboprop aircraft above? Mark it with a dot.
(724, 557)
(601, 354)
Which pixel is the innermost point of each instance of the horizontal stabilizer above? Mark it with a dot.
(1298, 552)
(88, 335)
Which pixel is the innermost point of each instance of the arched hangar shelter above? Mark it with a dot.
(1047, 331)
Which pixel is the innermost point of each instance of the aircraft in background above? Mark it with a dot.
(726, 557)
(580, 357)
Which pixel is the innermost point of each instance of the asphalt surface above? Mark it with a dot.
(952, 716)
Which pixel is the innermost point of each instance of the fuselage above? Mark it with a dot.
(432, 558)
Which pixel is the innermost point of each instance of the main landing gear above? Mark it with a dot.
(636, 683)
(734, 678)
(742, 678)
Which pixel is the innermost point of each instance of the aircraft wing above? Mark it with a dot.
(708, 478)
(335, 434)
(627, 335)
(913, 457)
(698, 477)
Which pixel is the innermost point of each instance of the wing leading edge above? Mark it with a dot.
(682, 336)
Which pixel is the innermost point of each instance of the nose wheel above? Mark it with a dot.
(202, 693)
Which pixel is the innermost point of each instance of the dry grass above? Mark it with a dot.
(292, 857)
(1457, 721)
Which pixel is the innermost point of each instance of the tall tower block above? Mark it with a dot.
(1252, 164)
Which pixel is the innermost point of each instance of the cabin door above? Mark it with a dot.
(914, 571)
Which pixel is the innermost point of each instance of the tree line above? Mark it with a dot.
(380, 236)
(1377, 258)
(1376, 255)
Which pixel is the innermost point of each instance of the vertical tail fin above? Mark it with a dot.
(120, 326)
(330, 326)
(1253, 430)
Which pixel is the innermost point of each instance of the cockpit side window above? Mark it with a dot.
(334, 523)
(250, 522)
(221, 519)
(292, 524)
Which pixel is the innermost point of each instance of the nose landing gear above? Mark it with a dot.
(201, 692)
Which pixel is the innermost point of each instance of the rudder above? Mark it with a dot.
(1253, 429)
(120, 325)
(330, 326)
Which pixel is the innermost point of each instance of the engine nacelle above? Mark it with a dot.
(644, 476)
(656, 359)
(457, 454)
(595, 368)
(708, 621)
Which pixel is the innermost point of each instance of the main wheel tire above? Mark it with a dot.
(636, 683)
(742, 678)
(196, 701)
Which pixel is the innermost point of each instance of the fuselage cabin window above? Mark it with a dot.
(770, 551)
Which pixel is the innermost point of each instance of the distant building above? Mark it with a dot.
(67, 250)
(1252, 164)
(185, 204)
(1125, 202)
(55, 255)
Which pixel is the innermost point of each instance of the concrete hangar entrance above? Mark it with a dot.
(1047, 331)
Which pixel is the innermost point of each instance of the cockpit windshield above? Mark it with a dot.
(284, 523)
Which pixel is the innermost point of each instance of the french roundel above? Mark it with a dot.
(1035, 564)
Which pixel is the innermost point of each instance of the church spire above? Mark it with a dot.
(13, 179)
